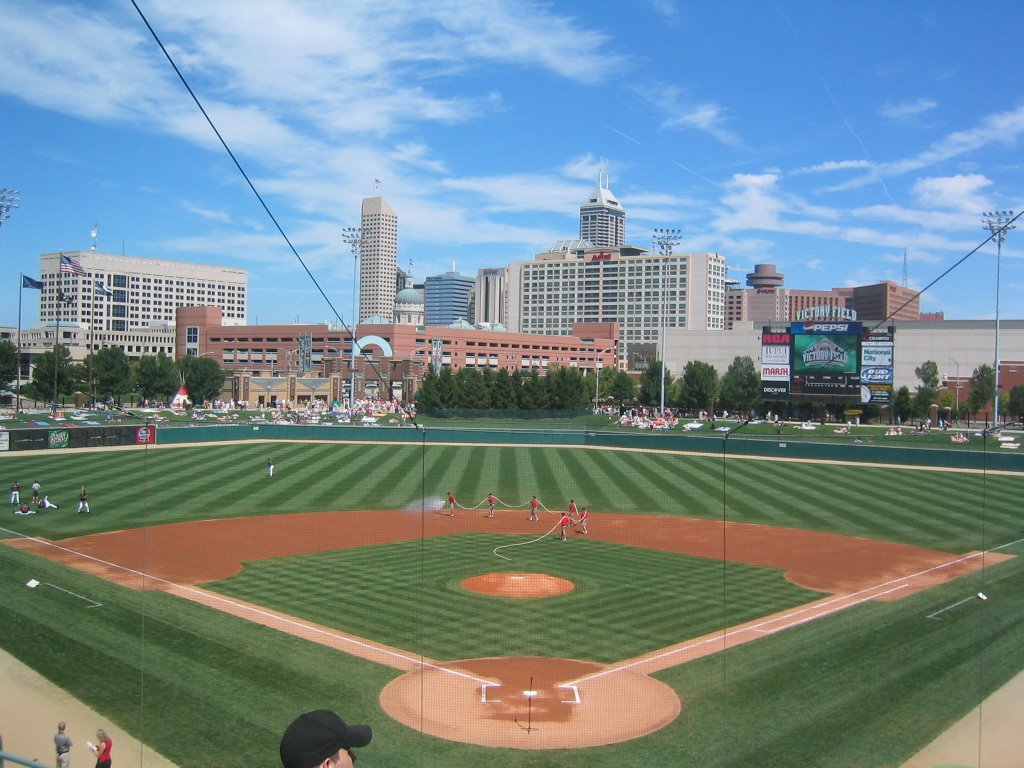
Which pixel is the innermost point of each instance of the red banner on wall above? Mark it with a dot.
(145, 435)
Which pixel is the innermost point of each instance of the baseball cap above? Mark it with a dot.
(315, 736)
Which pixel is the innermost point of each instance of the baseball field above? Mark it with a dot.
(723, 608)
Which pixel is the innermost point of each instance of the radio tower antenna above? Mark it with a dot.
(904, 267)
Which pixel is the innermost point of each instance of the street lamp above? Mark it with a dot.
(998, 223)
(957, 386)
(354, 237)
(664, 240)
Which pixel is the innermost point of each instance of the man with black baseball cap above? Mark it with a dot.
(321, 739)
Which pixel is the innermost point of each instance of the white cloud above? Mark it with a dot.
(681, 112)
(206, 213)
(1000, 128)
(831, 166)
(905, 109)
(956, 193)
(521, 192)
(584, 167)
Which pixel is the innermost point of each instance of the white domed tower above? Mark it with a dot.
(409, 307)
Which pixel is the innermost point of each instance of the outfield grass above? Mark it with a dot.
(955, 512)
(865, 687)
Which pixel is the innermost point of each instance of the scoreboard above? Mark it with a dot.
(834, 361)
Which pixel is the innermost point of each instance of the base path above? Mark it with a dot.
(520, 702)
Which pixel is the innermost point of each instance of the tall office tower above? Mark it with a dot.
(490, 296)
(446, 298)
(602, 218)
(643, 292)
(378, 262)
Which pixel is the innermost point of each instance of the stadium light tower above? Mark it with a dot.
(354, 237)
(8, 199)
(664, 241)
(998, 223)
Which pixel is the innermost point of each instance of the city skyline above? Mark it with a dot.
(820, 141)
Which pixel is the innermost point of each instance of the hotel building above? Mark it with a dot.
(641, 291)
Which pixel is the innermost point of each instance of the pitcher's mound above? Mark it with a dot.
(518, 584)
(530, 702)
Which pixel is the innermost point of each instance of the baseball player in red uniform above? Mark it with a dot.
(583, 520)
(490, 505)
(565, 521)
(451, 504)
(533, 509)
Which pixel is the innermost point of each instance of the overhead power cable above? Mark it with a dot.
(259, 197)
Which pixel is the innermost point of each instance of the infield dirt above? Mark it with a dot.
(484, 701)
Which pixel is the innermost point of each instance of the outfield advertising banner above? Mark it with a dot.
(145, 435)
(876, 374)
(776, 344)
(58, 438)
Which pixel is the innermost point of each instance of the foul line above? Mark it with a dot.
(838, 603)
(175, 588)
(951, 607)
(73, 594)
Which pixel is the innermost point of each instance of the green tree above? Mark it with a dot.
(1016, 402)
(902, 404)
(8, 362)
(534, 393)
(650, 384)
(428, 395)
(566, 388)
(203, 378)
(623, 388)
(42, 387)
(700, 386)
(980, 388)
(928, 374)
(504, 391)
(741, 386)
(472, 388)
(156, 377)
(112, 372)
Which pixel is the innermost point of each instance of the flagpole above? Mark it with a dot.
(92, 321)
(17, 396)
(56, 337)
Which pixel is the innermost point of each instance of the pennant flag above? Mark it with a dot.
(102, 290)
(72, 265)
(28, 282)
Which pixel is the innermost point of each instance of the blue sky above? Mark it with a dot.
(823, 137)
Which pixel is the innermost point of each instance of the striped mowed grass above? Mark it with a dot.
(950, 511)
(866, 687)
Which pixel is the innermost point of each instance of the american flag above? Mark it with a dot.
(72, 265)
